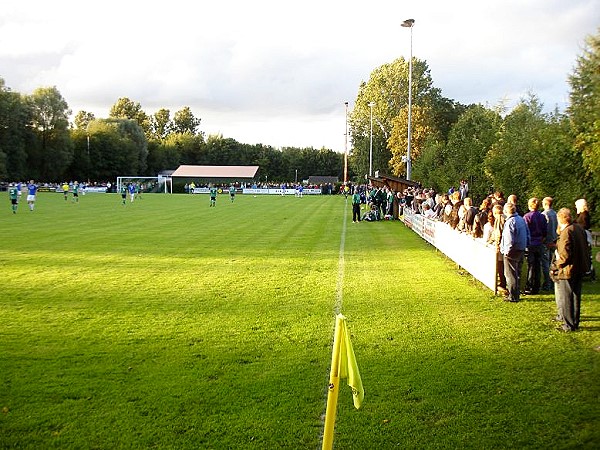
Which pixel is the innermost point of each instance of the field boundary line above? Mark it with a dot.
(339, 287)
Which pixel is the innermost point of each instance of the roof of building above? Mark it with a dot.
(394, 183)
(237, 172)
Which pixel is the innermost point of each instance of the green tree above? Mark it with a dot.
(510, 163)
(429, 166)
(558, 170)
(15, 134)
(53, 151)
(162, 156)
(584, 113)
(422, 128)
(469, 141)
(161, 124)
(117, 147)
(387, 89)
(190, 148)
(125, 108)
(184, 121)
(82, 119)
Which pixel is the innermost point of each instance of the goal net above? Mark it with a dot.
(147, 184)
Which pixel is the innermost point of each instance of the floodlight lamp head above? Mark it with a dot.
(408, 23)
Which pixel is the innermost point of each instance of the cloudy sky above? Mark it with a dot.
(278, 72)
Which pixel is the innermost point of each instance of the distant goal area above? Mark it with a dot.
(160, 183)
(191, 179)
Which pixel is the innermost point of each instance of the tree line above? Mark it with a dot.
(526, 151)
(38, 141)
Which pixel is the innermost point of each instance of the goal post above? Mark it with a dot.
(148, 184)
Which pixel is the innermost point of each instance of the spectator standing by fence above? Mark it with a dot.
(470, 212)
(551, 237)
(583, 218)
(515, 239)
(496, 239)
(571, 263)
(538, 229)
(512, 198)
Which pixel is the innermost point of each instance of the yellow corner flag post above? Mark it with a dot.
(343, 365)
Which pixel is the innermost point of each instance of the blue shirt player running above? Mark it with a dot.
(31, 193)
(131, 189)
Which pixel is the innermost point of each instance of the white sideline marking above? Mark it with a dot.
(339, 289)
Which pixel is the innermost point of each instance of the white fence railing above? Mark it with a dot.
(470, 253)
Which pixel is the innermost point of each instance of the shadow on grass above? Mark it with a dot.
(590, 318)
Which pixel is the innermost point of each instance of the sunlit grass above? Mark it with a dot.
(166, 323)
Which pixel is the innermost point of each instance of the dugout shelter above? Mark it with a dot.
(393, 183)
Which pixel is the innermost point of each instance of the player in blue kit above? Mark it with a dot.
(131, 189)
(31, 193)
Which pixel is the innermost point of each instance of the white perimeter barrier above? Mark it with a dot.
(469, 253)
(277, 191)
(273, 191)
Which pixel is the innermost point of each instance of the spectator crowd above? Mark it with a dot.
(555, 245)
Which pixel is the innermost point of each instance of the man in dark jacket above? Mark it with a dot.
(571, 263)
(538, 229)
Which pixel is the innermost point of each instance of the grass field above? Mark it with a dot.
(168, 324)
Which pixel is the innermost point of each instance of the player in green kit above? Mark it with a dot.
(232, 193)
(13, 194)
(124, 192)
(355, 206)
(213, 196)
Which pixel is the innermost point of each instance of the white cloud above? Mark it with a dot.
(279, 72)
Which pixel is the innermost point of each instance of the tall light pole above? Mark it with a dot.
(371, 104)
(89, 163)
(346, 147)
(409, 23)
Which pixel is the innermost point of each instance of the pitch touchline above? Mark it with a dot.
(340, 277)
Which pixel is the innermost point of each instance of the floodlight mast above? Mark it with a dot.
(409, 23)
(346, 147)
(371, 104)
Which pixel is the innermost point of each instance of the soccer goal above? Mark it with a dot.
(148, 184)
